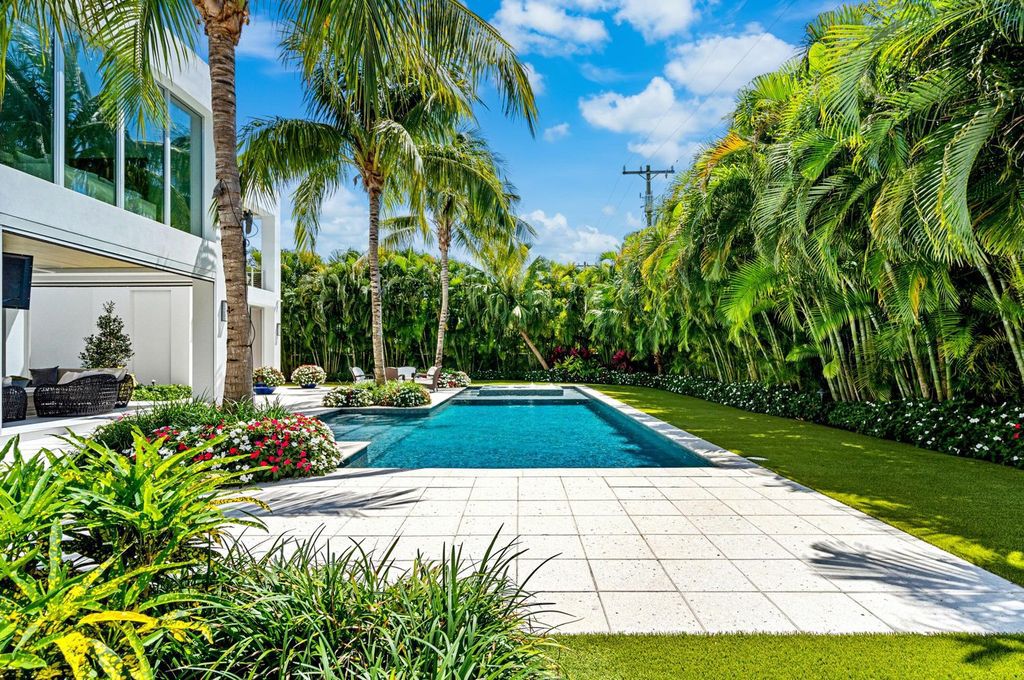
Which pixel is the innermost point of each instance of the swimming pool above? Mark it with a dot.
(510, 432)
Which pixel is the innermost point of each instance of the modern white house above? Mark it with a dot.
(101, 213)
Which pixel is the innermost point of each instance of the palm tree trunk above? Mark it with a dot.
(443, 241)
(533, 348)
(922, 380)
(223, 29)
(373, 257)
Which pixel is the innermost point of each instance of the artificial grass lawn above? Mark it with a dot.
(971, 508)
(679, 657)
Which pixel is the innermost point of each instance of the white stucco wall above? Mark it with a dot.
(157, 319)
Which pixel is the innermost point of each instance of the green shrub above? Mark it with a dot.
(305, 610)
(268, 375)
(395, 393)
(91, 542)
(161, 392)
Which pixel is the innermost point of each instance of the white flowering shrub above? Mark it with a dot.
(451, 379)
(267, 375)
(309, 374)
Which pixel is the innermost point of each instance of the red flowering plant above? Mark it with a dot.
(270, 448)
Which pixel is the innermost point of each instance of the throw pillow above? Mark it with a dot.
(43, 376)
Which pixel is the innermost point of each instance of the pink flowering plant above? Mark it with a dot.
(266, 449)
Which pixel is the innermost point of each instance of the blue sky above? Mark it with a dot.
(618, 82)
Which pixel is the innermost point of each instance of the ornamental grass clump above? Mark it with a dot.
(309, 375)
(315, 609)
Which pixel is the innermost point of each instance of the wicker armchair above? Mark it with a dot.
(82, 397)
(15, 403)
(125, 390)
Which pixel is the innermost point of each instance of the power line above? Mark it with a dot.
(701, 103)
(647, 174)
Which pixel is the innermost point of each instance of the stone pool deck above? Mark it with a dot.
(728, 548)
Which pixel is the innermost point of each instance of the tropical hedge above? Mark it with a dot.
(985, 431)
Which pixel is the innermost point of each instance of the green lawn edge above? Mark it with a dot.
(807, 657)
(971, 508)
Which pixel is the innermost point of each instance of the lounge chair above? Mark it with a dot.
(406, 372)
(84, 396)
(358, 375)
(430, 378)
(390, 373)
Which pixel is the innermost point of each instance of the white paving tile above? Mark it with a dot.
(571, 612)
(630, 575)
(706, 576)
(731, 612)
(683, 547)
(556, 575)
(649, 613)
(827, 613)
(631, 547)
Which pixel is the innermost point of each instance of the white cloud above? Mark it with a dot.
(557, 240)
(344, 220)
(656, 19)
(632, 221)
(556, 132)
(724, 64)
(260, 39)
(548, 27)
(659, 122)
(608, 210)
(536, 78)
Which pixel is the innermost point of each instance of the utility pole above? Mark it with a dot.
(647, 174)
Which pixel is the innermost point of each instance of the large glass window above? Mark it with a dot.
(26, 113)
(144, 170)
(89, 141)
(186, 169)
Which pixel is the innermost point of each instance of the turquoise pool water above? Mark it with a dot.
(510, 435)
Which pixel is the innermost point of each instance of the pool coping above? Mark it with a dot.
(714, 454)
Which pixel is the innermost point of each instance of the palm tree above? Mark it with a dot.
(511, 292)
(430, 40)
(469, 205)
(375, 115)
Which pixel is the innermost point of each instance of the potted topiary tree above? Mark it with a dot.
(309, 376)
(109, 346)
(266, 379)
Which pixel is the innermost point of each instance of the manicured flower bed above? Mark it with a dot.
(399, 394)
(273, 443)
(985, 431)
(297, 446)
